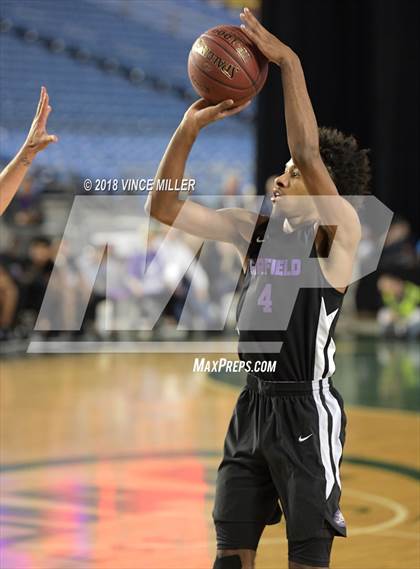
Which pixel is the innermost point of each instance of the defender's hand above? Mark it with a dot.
(270, 46)
(38, 138)
(201, 113)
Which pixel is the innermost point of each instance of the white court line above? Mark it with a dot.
(400, 515)
(400, 512)
(402, 534)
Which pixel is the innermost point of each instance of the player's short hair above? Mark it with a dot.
(347, 163)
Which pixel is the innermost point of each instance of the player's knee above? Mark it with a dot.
(234, 559)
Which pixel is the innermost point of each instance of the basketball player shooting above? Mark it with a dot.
(285, 440)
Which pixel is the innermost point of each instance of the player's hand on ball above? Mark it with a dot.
(273, 49)
(201, 113)
(38, 137)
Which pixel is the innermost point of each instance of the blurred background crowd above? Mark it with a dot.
(116, 104)
(124, 296)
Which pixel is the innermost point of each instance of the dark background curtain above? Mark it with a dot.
(361, 63)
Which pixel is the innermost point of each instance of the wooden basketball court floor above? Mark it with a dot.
(109, 461)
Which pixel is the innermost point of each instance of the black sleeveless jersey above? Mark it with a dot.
(287, 311)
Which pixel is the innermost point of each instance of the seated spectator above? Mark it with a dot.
(399, 249)
(398, 255)
(37, 272)
(400, 315)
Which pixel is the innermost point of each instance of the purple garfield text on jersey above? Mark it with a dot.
(277, 267)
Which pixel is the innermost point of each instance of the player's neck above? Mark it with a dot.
(290, 224)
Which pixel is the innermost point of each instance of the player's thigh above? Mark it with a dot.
(244, 489)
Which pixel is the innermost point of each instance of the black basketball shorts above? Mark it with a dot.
(284, 443)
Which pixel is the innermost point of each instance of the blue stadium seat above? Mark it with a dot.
(108, 126)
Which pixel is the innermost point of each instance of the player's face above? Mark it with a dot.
(286, 188)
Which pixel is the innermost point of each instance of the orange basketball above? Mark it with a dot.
(225, 64)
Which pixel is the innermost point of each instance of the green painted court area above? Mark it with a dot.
(370, 373)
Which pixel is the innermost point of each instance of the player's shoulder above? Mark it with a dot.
(244, 220)
(238, 214)
(351, 228)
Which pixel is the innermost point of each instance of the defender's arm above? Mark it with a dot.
(38, 139)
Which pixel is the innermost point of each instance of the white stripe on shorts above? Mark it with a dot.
(337, 449)
(324, 441)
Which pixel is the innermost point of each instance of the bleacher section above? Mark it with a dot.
(183, 20)
(107, 124)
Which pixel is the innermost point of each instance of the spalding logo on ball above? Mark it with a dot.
(225, 64)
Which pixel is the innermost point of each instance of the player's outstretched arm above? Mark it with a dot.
(165, 205)
(302, 133)
(38, 139)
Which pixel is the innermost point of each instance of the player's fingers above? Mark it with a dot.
(217, 111)
(41, 98)
(250, 33)
(237, 109)
(43, 108)
(224, 105)
(200, 104)
(251, 21)
(214, 112)
(48, 139)
(44, 114)
(222, 108)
